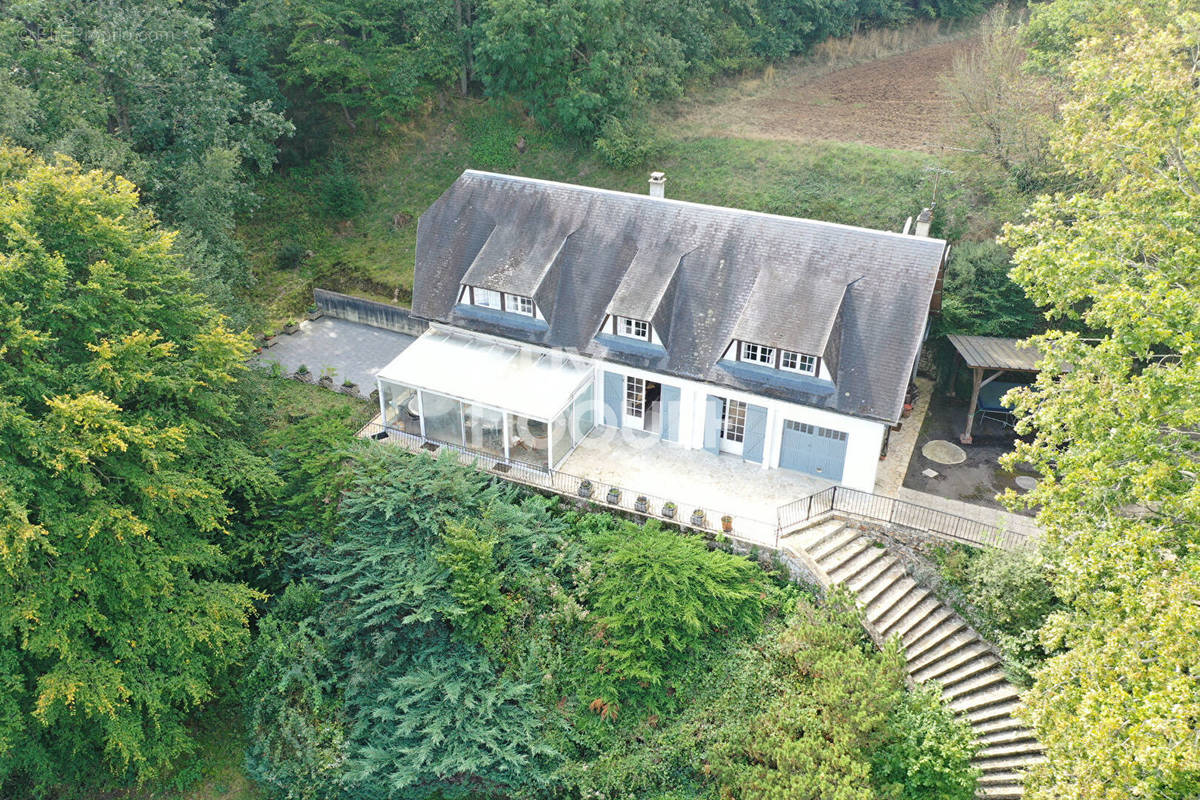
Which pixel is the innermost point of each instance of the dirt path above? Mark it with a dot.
(891, 102)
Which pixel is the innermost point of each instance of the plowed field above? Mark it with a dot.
(895, 102)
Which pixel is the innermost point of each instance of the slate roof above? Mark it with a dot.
(859, 297)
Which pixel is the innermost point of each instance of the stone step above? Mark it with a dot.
(831, 542)
(886, 580)
(981, 715)
(958, 667)
(979, 700)
(1006, 792)
(1019, 762)
(1001, 777)
(979, 683)
(807, 539)
(1014, 733)
(901, 619)
(925, 624)
(1005, 749)
(903, 594)
(847, 554)
(939, 643)
(866, 579)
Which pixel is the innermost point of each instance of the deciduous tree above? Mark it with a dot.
(115, 405)
(1114, 419)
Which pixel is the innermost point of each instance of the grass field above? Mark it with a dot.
(387, 180)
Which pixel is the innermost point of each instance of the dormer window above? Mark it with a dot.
(501, 301)
(798, 362)
(518, 304)
(773, 357)
(633, 328)
(758, 354)
(485, 298)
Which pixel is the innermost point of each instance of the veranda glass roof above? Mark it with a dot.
(522, 381)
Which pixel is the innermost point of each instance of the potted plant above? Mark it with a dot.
(585, 488)
(641, 504)
(727, 523)
(349, 387)
(326, 378)
(302, 374)
(291, 326)
(313, 312)
(267, 339)
(698, 517)
(669, 509)
(614, 496)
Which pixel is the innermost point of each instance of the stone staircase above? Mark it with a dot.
(938, 646)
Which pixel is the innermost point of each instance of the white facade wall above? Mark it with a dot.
(864, 438)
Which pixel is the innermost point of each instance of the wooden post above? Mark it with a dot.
(978, 378)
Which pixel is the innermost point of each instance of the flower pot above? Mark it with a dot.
(698, 518)
(351, 390)
(585, 489)
(614, 497)
(640, 505)
(289, 329)
(668, 511)
(326, 381)
(311, 315)
(727, 523)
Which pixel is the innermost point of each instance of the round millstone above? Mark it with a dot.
(939, 451)
(1025, 483)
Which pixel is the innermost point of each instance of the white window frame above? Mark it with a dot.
(519, 304)
(758, 354)
(479, 294)
(802, 363)
(733, 421)
(635, 397)
(633, 328)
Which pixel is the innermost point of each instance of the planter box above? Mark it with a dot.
(640, 506)
(613, 497)
(698, 520)
(311, 315)
(669, 511)
(326, 381)
(290, 329)
(303, 377)
(351, 390)
(585, 490)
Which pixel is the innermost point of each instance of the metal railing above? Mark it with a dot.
(840, 500)
(754, 532)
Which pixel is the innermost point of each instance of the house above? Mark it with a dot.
(556, 309)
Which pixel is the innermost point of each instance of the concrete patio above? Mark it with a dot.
(352, 350)
(726, 484)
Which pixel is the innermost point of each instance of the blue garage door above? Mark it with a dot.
(817, 451)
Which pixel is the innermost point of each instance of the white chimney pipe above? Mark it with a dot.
(924, 220)
(658, 184)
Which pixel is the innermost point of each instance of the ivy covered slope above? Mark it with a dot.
(121, 457)
(457, 638)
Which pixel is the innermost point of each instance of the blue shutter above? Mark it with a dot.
(614, 393)
(712, 423)
(756, 433)
(670, 413)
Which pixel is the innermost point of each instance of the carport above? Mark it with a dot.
(997, 356)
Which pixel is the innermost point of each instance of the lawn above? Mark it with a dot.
(302, 237)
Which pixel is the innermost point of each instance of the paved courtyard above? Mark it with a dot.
(726, 484)
(350, 349)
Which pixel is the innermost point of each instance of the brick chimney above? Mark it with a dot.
(658, 184)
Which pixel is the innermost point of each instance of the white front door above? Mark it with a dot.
(733, 426)
(635, 403)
